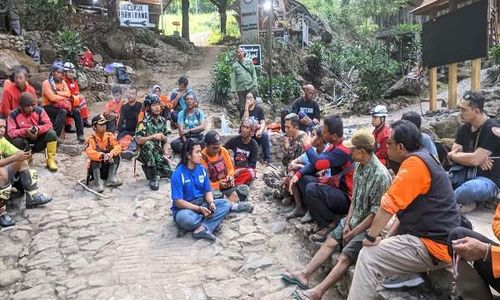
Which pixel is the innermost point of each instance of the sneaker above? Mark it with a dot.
(204, 234)
(467, 208)
(306, 218)
(242, 207)
(399, 281)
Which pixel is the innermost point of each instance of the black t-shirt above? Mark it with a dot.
(245, 155)
(487, 140)
(129, 117)
(257, 114)
(310, 108)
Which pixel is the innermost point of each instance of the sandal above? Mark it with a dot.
(288, 278)
(299, 295)
(320, 236)
(204, 234)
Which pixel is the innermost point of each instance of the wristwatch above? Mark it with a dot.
(370, 238)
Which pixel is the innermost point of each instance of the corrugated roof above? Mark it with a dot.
(428, 5)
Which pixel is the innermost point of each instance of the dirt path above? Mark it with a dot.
(126, 247)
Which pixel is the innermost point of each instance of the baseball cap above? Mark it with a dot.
(99, 119)
(361, 139)
(213, 138)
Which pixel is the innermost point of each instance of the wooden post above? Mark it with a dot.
(452, 86)
(433, 89)
(475, 82)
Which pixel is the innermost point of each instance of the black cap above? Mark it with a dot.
(99, 119)
(213, 138)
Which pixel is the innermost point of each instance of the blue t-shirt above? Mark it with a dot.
(306, 160)
(188, 184)
(191, 120)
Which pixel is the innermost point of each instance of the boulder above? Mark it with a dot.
(446, 126)
(48, 54)
(178, 42)
(83, 81)
(10, 59)
(119, 43)
(406, 86)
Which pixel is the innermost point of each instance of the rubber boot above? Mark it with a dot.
(5, 219)
(29, 183)
(113, 180)
(98, 181)
(51, 156)
(150, 173)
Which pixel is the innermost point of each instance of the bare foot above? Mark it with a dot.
(312, 294)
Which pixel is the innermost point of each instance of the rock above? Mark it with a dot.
(447, 126)
(83, 81)
(98, 58)
(178, 43)
(119, 43)
(255, 262)
(406, 86)
(253, 239)
(10, 59)
(279, 227)
(9, 277)
(42, 291)
(72, 150)
(48, 54)
(96, 245)
(227, 289)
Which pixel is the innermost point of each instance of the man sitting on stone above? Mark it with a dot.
(422, 198)
(13, 168)
(129, 118)
(191, 124)
(245, 151)
(78, 100)
(29, 128)
(427, 142)
(319, 144)
(57, 104)
(12, 92)
(178, 100)
(256, 113)
(103, 152)
(371, 179)
(307, 108)
(326, 201)
(151, 135)
(113, 107)
(476, 147)
(217, 161)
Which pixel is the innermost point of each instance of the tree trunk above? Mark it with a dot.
(185, 19)
(223, 19)
(113, 11)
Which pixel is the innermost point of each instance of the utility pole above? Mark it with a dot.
(270, 13)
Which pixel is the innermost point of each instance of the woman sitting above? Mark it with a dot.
(193, 205)
(191, 123)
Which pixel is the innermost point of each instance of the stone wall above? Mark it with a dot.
(12, 42)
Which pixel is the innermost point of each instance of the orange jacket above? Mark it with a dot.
(97, 146)
(224, 157)
(50, 96)
(495, 250)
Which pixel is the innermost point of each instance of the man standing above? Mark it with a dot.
(477, 147)
(12, 92)
(422, 198)
(152, 135)
(256, 114)
(307, 108)
(371, 179)
(14, 168)
(29, 128)
(243, 78)
(56, 102)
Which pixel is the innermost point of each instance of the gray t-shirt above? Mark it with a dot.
(428, 144)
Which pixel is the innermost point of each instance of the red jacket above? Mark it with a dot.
(19, 123)
(381, 136)
(12, 95)
(73, 86)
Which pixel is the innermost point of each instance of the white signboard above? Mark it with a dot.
(249, 20)
(133, 15)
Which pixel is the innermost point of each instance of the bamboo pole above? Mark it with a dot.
(452, 86)
(433, 89)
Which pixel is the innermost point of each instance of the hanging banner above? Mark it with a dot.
(249, 20)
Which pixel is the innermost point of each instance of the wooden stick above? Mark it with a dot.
(433, 89)
(452, 86)
(80, 182)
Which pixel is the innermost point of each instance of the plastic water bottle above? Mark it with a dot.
(224, 125)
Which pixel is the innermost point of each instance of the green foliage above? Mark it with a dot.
(68, 45)
(375, 70)
(43, 15)
(232, 29)
(147, 37)
(377, 8)
(405, 28)
(221, 83)
(284, 88)
(197, 22)
(495, 54)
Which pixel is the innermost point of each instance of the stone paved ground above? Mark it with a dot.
(125, 247)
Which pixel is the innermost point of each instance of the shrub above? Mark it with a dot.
(495, 54)
(69, 45)
(43, 15)
(146, 37)
(221, 83)
(284, 88)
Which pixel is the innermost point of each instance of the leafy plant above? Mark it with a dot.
(284, 88)
(146, 37)
(495, 54)
(222, 77)
(69, 45)
(43, 15)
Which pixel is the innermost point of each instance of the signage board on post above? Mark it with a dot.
(254, 53)
(249, 20)
(133, 15)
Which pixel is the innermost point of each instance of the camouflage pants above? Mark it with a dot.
(151, 155)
